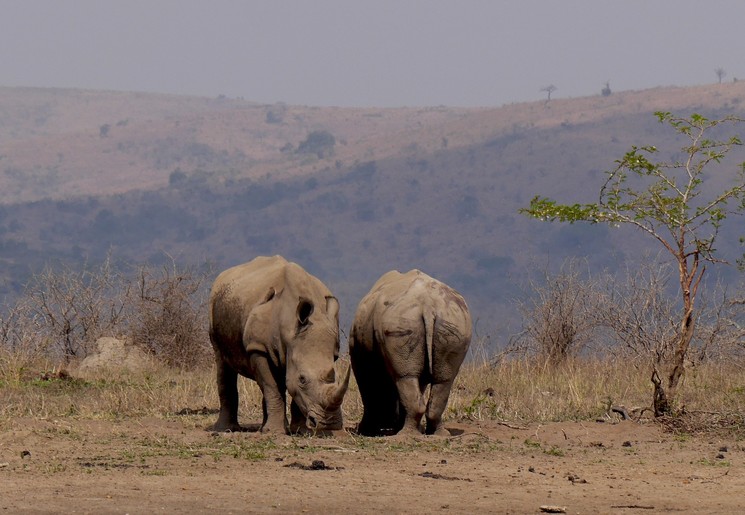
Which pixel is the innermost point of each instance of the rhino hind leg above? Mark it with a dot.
(380, 401)
(438, 400)
(377, 390)
(412, 402)
(227, 389)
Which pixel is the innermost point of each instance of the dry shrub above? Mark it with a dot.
(70, 308)
(169, 316)
(62, 312)
(632, 317)
(558, 321)
(641, 316)
(21, 351)
(720, 333)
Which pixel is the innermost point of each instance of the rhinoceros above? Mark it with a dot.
(273, 322)
(409, 331)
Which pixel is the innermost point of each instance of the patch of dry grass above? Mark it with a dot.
(513, 391)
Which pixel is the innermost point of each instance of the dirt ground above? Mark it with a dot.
(174, 465)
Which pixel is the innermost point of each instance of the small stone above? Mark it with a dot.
(723, 448)
(25, 453)
(553, 509)
(626, 444)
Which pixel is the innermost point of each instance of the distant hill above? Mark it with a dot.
(347, 193)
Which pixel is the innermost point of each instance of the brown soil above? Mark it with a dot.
(150, 465)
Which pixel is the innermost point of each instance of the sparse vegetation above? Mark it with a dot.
(517, 391)
(169, 318)
(560, 319)
(161, 310)
(419, 203)
(62, 313)
(319, 142)
(668, 203)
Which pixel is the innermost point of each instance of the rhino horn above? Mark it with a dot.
(338, 389)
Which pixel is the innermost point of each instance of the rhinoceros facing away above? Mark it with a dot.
(273, 322)
(409, 331)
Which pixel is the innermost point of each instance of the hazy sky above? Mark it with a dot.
(371, 52)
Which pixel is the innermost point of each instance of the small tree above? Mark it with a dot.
(321, 143)
(721, 73)
(669, 205)
(549, 89)
(606, 92)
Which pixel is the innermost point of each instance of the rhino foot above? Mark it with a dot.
(233, 427)
(441, 431)
(274, 429)
(410, 430)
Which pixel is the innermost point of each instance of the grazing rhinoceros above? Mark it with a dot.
(409, 331)
(275, 323)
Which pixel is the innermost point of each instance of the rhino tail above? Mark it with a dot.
(429, 337)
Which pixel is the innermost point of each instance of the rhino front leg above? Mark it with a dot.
(412, 402)
(438, 400)
(297, 419)
(227, 390)
(273, 390)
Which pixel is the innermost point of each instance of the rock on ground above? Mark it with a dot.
(114, 354)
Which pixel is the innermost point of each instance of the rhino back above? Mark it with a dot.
(240, 289)
(401, 302)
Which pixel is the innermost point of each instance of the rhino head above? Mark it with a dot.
(312, 348)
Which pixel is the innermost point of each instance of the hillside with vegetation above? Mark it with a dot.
(118, 209)
(347, 193)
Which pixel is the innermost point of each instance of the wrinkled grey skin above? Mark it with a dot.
(273, 322)
(409, 331)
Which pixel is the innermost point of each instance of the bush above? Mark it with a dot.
(321, 143)
(559, 321)
(70, 309)
(62, 312)
(169, 320)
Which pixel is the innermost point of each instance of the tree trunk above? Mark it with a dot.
(659, 400)
(689, 282)
(665, 396)
(687, 328)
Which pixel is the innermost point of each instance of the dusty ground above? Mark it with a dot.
(176, 466)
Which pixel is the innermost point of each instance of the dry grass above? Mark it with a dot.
(521, 390)
(514, 391)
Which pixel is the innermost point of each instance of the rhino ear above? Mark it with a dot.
(269, 296)
(332, 307)
(304, 310)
